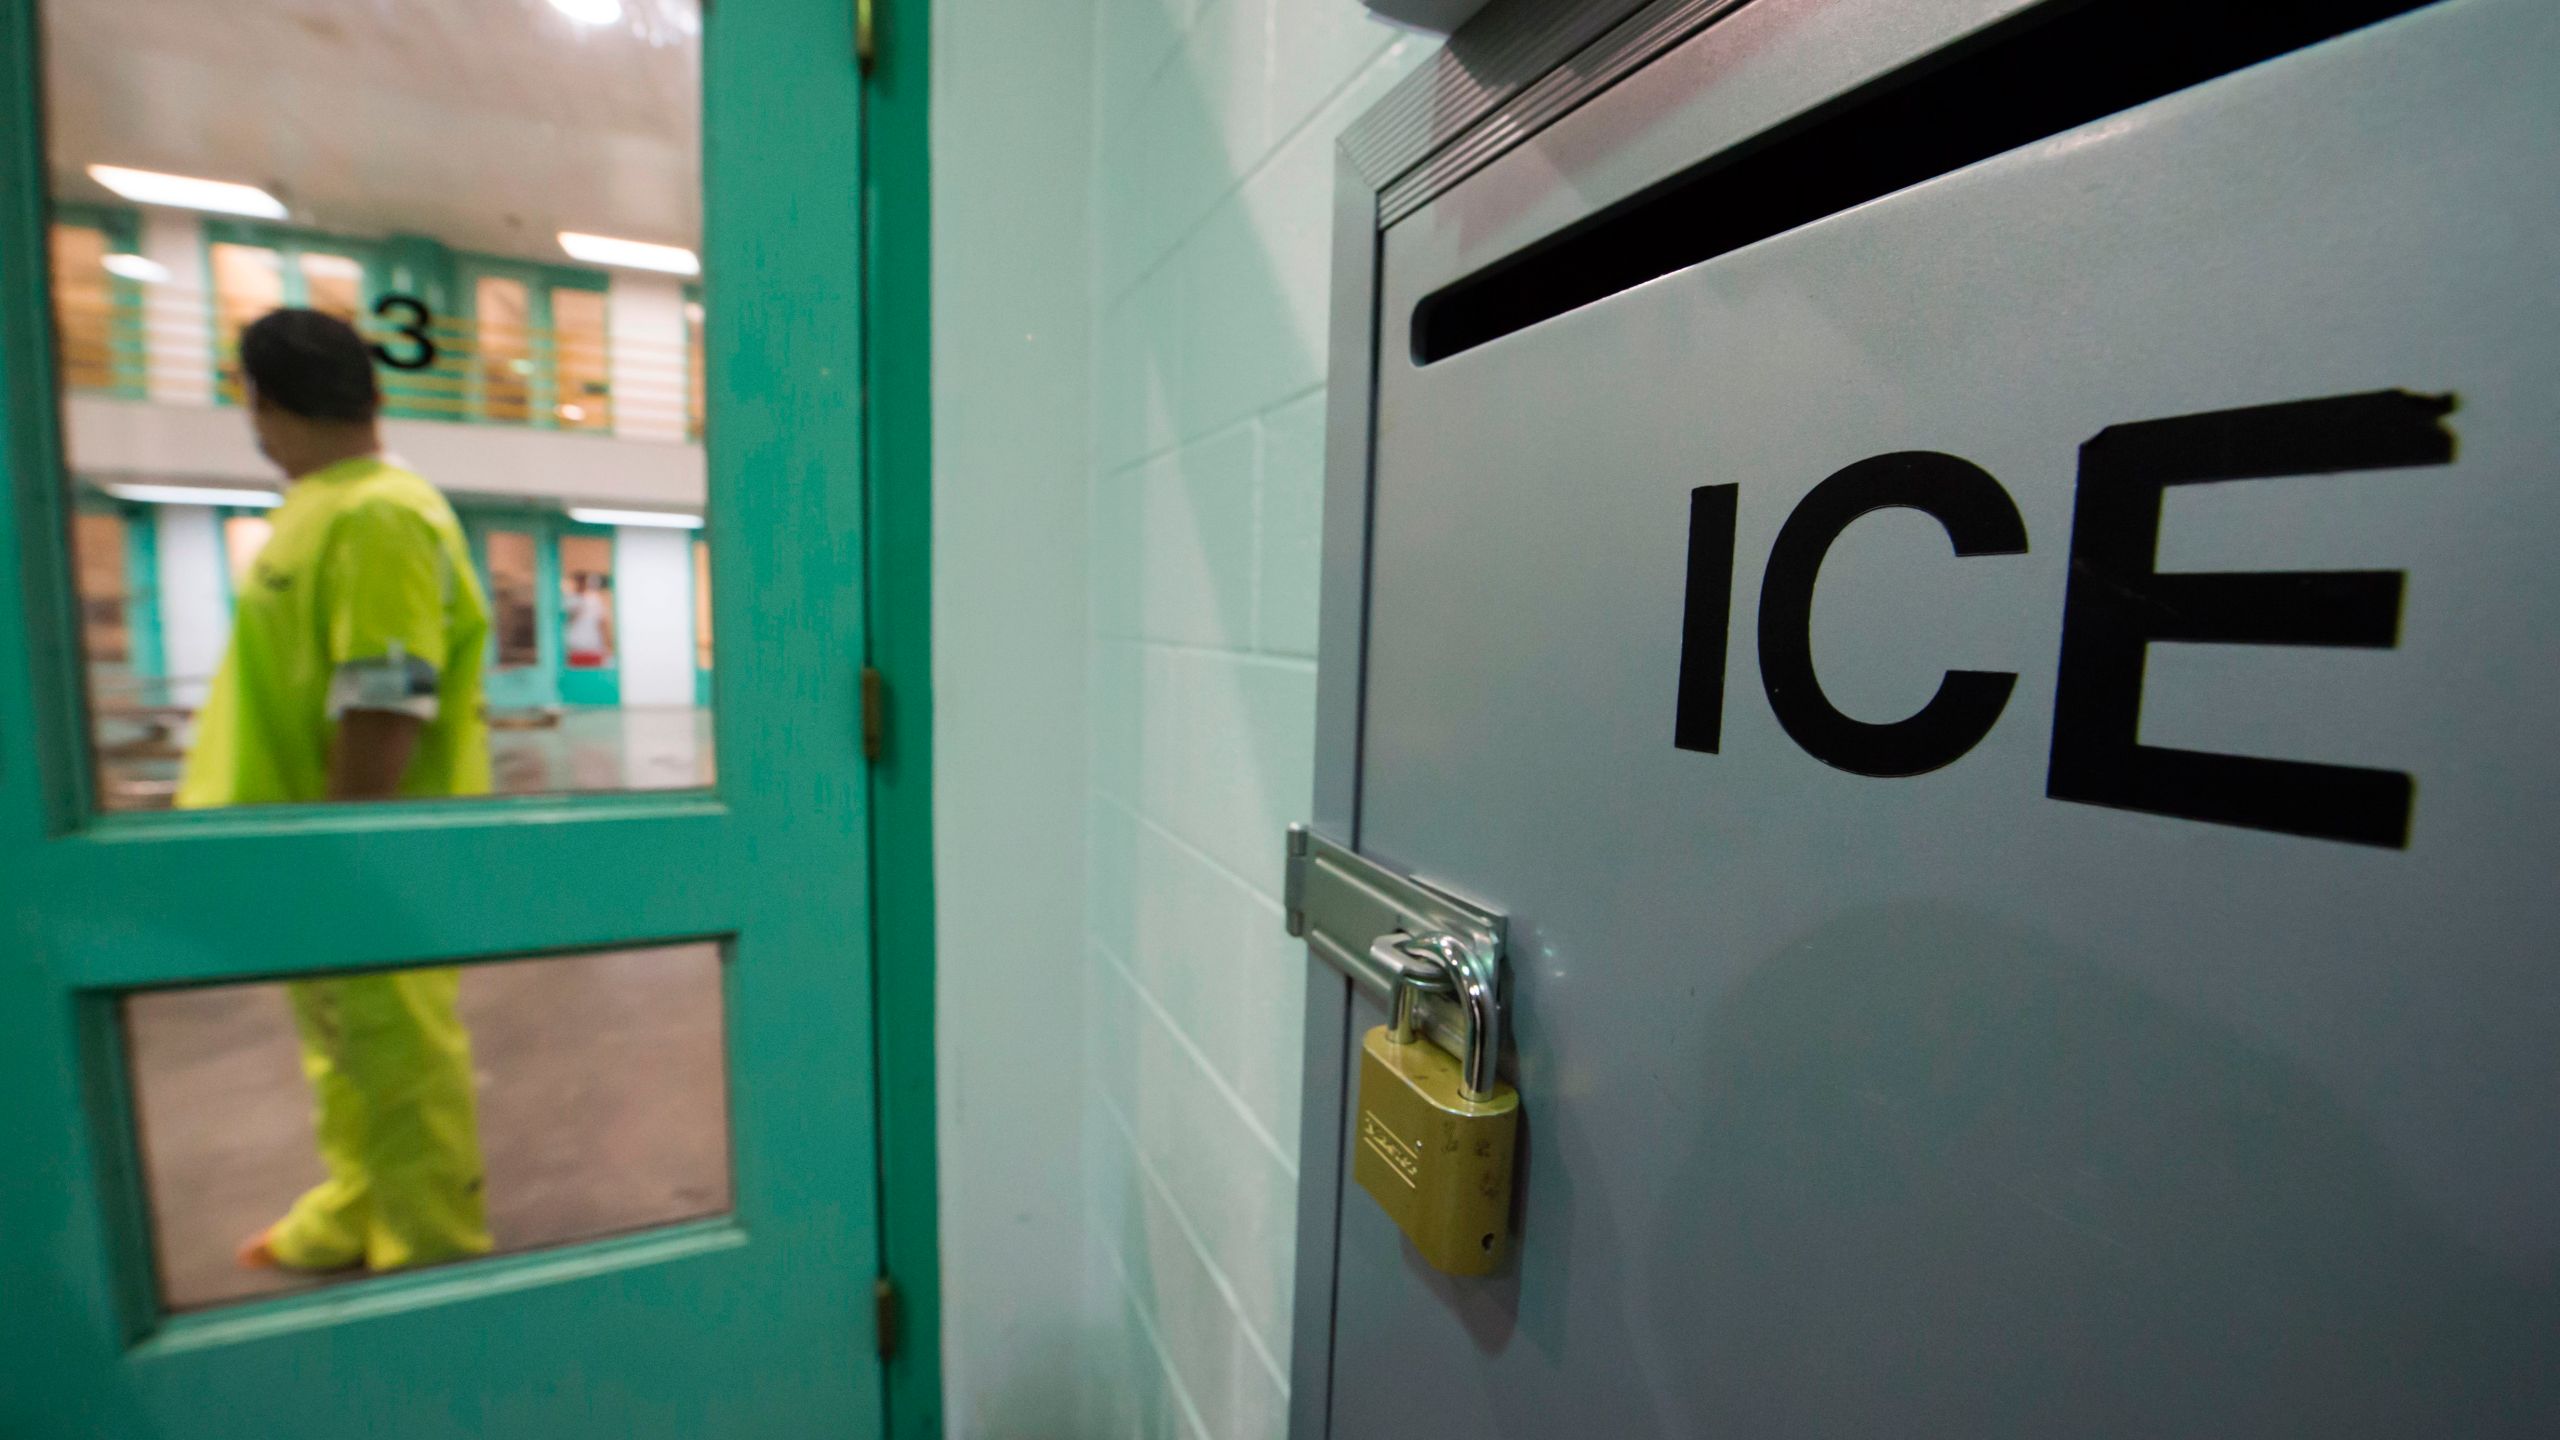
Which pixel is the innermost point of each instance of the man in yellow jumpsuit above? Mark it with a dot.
(354, 674)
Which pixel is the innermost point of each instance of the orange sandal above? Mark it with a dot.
(258, 1252)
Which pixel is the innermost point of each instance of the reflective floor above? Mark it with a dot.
(572, 749)
(630, 748)
(600, 1086)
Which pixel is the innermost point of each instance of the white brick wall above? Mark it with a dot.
(1012, 304)
(1211, 193)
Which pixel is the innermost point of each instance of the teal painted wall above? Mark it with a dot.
(546, 682)
(415, 265)
(142, 590)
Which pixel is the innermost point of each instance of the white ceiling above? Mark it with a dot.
(491, 124)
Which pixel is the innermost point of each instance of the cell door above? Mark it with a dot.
(1965, 590)
(538, 1101)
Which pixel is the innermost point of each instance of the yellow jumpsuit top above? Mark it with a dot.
(363, 598)
(366, 568)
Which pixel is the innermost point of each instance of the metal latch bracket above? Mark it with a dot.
(1342, 903)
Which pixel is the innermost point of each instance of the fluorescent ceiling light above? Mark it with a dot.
(631, 254)
(195, 495)
(137, 267)
(149, 187)
(664, 519)
(590, 12)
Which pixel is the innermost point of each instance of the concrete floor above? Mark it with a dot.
(626, 748)
(602, 1093)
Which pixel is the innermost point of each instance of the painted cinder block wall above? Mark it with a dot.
(1010, 135)
(1212, 192)
(1132, 212)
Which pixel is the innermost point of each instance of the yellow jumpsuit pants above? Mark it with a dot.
(390, 1071)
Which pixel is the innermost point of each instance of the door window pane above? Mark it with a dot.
(381, 1122)
(503, 258)
(504, 339)
(701, 606)
(696, 383)
(513, 577)
(99, 560)
(333, 283)
(248, 281)
(586, 601)
(583, 382)
(140, 728)
(85, 310)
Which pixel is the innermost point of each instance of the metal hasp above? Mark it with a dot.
(1437, 1128)
(1352, 912)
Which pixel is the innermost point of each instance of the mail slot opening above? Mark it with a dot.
(2053, 68)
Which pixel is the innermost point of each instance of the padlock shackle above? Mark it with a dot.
(1463, 977)
(1410, 983)
(1479, 1068)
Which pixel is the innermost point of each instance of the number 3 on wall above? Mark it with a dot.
(408, 318)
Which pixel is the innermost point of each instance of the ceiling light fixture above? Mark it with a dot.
(150, 187)
(140, 268)
(590, 12)
(662, 519)
(630, 254)
(195, 495)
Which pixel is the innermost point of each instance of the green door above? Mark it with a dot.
(753, 1318)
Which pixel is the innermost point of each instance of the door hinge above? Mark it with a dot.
(884, 1314)
(866, 34)
(875, 713)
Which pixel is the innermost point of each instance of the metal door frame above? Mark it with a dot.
(1516, 68)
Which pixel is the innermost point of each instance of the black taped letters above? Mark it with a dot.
(1980, 519)
(1705, 617)
(2118, 603)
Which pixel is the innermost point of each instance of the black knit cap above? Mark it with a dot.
(311, 364)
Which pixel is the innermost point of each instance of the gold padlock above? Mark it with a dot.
(1436, 1131)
